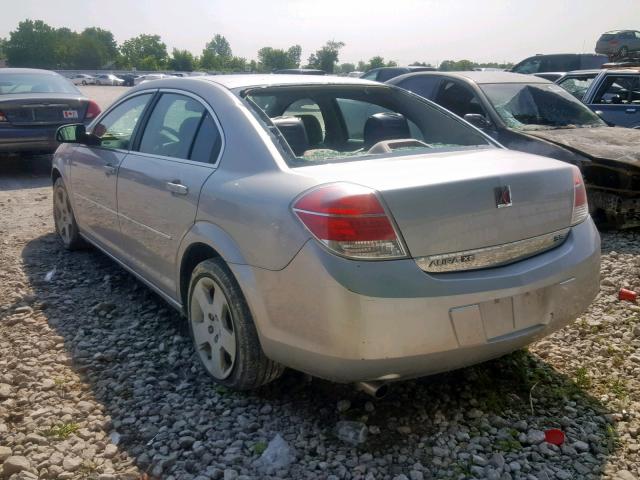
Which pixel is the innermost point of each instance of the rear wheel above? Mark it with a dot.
(65, 221)
(223, 332)
(623, 52)
(84, 82)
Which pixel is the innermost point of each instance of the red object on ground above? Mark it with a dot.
(555, 436)
(628, 295)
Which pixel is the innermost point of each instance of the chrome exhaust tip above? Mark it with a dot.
(377, 390)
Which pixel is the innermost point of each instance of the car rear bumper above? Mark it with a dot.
(349, 321)
(28, 139)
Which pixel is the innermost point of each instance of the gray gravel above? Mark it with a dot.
(98, 380)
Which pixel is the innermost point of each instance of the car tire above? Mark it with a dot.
(64, 219)
(623, 52)
(84, 82)
(223, 331)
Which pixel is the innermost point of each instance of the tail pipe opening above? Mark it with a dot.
(377, 390)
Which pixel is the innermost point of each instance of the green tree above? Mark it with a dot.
(362, 66)
(271, 59)
(182, 61)
(420, 64)
(144, 50)
(376, 62)
(456, 65)
(327, 57)
(294, 53)
(345, 68)
(32, 44)
(220, 46)
(64, 45)
(93, 48)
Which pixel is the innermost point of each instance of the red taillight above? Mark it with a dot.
(580, 204)
(350, 220)
(3, 118)
(93, 110)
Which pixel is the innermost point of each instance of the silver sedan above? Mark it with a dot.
(337, 226)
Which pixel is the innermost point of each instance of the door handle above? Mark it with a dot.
(176, 187)
(110, 169)
(630, 110)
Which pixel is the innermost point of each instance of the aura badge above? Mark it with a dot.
(503, 196)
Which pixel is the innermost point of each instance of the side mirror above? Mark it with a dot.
(76, 133)
(477, 120)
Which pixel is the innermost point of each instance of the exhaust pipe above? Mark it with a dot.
(377, 390)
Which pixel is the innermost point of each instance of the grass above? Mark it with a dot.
(509, 445)
(61, 431)
(583, 381)
(619, 389)
(259, 447)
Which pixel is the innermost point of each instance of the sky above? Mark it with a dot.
(400, 30)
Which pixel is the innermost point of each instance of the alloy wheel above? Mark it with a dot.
(62, 215)
(213, 328)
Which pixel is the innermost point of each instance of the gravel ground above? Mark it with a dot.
(98, 379)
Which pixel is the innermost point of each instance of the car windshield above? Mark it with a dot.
(320, 123)
(34, 83)
(533, 106)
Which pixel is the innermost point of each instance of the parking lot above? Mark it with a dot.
(98, 379)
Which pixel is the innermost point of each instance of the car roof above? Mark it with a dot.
(480, 77)
(269, 80)
(27, 70)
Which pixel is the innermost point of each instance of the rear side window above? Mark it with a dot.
(560, 63)
(172, 126)
(423, 86)
(390, 73)
(208, 142)
(589, 62)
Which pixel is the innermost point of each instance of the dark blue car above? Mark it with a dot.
(33, 104)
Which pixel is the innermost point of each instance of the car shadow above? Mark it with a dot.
(24, 172)
(134, 353)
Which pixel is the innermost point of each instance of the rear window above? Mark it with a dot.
(35, 83)
(339, 123)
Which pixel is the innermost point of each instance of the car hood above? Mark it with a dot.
(602, 143)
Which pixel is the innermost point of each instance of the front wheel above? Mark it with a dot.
(64, 219)
(623, 53)
(84, 82)
(223, 332)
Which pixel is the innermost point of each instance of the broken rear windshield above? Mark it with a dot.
(328, 123)
(539, 106)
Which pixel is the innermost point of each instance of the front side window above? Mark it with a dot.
(172, 126)
(577, 86)
(360, 121)
(459, 99)
(116, 128)
(623, 89)
(524, 106)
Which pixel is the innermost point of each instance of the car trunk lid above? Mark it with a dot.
(444, 203)
(43, 109)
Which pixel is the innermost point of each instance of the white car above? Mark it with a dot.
(109, 79)
(82, 79)
(151, 76)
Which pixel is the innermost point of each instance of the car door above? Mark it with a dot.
(159, 183)
(617, 99)
(94, 171)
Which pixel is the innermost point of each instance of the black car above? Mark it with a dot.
(129, 79)
(33, 104)
(558, 63)
(382, 74)
(533, 115)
